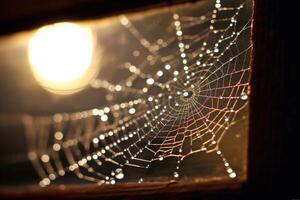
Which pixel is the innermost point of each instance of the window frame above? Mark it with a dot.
(266, 132)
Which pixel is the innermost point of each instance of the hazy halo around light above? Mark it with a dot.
(61, 57)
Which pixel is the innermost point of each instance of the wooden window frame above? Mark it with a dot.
(266, 133)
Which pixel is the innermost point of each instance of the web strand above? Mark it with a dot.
(180, 100)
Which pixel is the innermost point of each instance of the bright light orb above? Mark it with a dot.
(61, 56)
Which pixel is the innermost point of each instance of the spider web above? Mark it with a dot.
(179, 98)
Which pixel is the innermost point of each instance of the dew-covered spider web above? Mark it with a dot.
(173, 84)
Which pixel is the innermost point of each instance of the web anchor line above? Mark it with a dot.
(182, 93)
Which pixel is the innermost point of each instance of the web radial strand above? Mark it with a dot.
(181, 99)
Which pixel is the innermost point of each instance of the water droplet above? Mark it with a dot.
(101, 137)
(124, 21)
(244, 96)
(135, 53)
(145, 90)
(159, 73)
(160, 157)
(118, 87)
(167, 66)
(229, 170)
(141, 180)
(95, 140)
(187, 94)
(176, 175)
(131, 110)
(56, 147)
(132, 69)
(52, 177)
(179, 33)
(119, 173)
(106, 109)
(112, 181)
(61, 172)
(150, 99)
(226, 119)
(104, 118)
(58, 135)
(232, 175)
(150, 81)
(45, 158)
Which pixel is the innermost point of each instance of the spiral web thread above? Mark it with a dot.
(182, 106)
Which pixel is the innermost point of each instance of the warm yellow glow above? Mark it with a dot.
(61, 56)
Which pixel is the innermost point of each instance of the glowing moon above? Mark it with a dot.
(61, 57)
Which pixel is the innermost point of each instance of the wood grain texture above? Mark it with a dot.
(155, 190)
